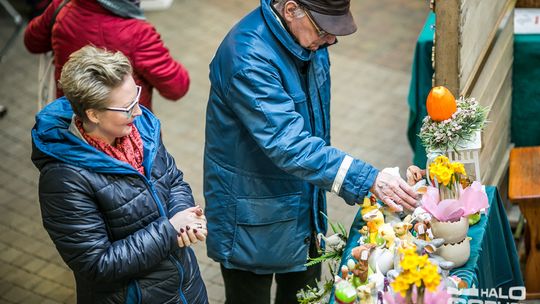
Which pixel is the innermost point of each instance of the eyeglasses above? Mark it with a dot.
(129, 110)
(320, 31)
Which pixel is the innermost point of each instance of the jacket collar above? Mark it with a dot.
(53, 136)
(282, 34)
(73, 129)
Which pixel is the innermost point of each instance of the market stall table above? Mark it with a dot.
(493, 262)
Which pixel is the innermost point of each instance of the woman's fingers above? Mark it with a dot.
(191, 235)
(180, 241)
(200, 234)
(183, 235)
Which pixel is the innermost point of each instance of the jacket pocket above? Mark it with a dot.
(265, 236)
(301, 106)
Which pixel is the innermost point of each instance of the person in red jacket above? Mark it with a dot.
(116, 26)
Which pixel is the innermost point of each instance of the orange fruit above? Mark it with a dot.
(440, 103)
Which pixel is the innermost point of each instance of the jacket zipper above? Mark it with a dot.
(173, 258)
(181, 274)
(139, 294)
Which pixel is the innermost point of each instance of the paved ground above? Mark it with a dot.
(370, 76)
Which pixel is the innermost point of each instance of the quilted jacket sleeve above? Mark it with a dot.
(76, 227)
(153, 61)
(37, 35)
(259, 100)
(181, 197)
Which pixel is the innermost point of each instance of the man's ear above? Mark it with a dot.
(289, 10)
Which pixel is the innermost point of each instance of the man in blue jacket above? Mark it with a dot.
(268, 159)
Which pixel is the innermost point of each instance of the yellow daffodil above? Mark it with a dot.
(399, 285)
(459, 168)
(417, 270)
(445, 172)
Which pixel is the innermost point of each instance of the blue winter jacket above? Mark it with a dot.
(110, 223)
(268, 158)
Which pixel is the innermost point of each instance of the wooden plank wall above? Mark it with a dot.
(480, 66)
(528, 3)
(478, 25)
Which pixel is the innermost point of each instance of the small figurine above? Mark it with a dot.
(361, 268)
(421, 229)
(386, 232)
(344, 292)
(369, 204)
(334, 243)
(365, 292)
(402, 232)
(374, 220)
(364, 232)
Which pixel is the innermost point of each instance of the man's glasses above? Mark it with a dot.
(129, 110)
(320, 31)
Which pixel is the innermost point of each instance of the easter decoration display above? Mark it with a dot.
(453, 128)
(406, 257)
(450, 122)
(450, 201)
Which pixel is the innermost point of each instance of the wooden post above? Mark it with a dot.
(447, 38)
(473, 53)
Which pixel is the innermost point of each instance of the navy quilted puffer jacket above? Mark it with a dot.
(109, 222)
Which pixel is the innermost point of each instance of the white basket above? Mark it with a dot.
(46, 83)
(466, 152)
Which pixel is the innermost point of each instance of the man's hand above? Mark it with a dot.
(394, 192)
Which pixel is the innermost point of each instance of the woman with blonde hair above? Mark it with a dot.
(112, 199)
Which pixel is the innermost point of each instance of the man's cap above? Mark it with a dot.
(332, 16)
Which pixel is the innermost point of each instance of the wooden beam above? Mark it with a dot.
(447, 45)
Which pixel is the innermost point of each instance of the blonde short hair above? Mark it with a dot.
(89, 76)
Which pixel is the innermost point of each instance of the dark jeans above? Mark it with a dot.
(245, 287)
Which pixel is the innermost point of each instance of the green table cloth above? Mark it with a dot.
(421, 80)
(525, 116)
(493, 262)
(525, 119)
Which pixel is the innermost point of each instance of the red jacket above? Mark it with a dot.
(83, 22)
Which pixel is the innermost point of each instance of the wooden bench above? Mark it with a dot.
(524, 189)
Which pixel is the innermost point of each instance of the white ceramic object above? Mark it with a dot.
(381, 258)
(458, 253)
(451, 232)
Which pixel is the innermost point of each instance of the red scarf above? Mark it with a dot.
(128, 148)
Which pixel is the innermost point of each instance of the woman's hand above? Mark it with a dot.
(190, 225)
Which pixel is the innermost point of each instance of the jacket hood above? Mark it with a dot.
(52, 141)
(282, 34)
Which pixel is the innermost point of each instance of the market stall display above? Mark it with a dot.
(408, 258)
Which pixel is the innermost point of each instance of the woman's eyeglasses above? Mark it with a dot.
(131, 107)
